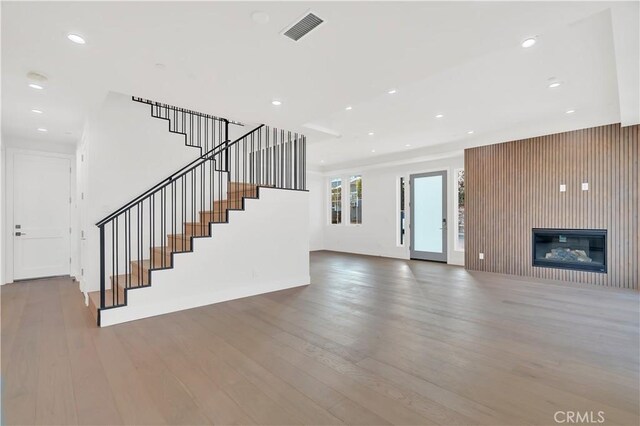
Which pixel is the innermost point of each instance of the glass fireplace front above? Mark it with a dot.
(579, 249)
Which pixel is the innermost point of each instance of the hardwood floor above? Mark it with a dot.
(371, 341)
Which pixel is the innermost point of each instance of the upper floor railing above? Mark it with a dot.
(200, 130)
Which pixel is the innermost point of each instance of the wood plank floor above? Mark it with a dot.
(371, 341)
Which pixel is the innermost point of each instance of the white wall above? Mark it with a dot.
(378, 233)
(316, 187)
(11, 146)
(262, 249)
(126, 151)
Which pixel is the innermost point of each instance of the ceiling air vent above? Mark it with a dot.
(303, 26)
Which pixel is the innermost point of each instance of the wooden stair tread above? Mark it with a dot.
(208, 211)
(94, 301)
(167, 250)
(243, 184)
(146, 263)
(121, 280)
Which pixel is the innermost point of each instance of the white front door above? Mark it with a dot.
(41, 191)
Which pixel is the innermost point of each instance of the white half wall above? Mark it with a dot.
(378, 235)
(123, 152)
(262, 249)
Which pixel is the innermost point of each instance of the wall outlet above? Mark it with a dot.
(563, 187)
(585, 186)
(481, 256)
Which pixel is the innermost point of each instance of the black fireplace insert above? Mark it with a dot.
(578, 249)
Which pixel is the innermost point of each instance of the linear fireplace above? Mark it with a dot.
(578, 249)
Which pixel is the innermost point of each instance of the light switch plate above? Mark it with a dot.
(481, 256)
(563, 187)
(585, 186)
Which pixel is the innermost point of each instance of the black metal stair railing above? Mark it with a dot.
(144, 234)
(200, 130)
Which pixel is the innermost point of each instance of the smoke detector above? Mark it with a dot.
(302, 26)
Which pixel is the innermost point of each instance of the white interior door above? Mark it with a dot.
(41, 191)
(429, 216)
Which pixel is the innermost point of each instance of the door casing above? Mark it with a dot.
(423, 255)
(8, 273)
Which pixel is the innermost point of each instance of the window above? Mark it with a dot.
(402, 212)
(355, 199)
(336, 201)
(460, 210)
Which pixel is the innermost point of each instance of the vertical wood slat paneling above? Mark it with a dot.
(514, 186)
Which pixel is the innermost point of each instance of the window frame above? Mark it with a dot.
(456, 245)
(331, 201)
(351, 176)
(401, 195)
(344, 198)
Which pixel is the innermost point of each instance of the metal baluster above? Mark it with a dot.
(173, 216)
(126, 248)
(162, 226)
(295, 159)
(113, 259)
(201, 167)
(140, 240)
(102, 267)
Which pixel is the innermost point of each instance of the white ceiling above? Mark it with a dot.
(461, 59)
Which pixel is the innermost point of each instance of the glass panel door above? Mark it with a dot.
(429, 216)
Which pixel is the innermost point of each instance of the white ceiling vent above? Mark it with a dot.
(303, 27)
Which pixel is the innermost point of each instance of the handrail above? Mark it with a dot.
(176, 175)
(188, 111)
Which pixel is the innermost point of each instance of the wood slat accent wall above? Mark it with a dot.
(513, 187)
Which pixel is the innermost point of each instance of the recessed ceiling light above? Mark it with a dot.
(392, 91)
(571, 111)
(40, 129)
(76, 38)
(322, 161)
(349, 108)
(439, 116)
(276, 102)
(37, 111)
(529, 42)
(371, 133)
(373, 150)
(36, 76)
(470, 132)
(35, 86)
(408, 145)
(554, 84)
(260, 17)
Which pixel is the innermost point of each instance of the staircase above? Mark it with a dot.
(146, 235)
